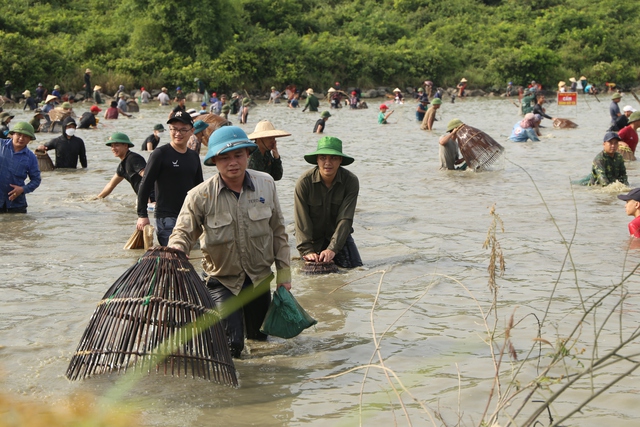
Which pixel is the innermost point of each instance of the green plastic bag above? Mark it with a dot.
(285, 317)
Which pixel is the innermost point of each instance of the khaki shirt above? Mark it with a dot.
(323, 213)
(238, 236)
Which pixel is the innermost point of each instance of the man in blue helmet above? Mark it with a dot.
(237, 218)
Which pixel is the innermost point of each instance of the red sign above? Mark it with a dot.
(567, 98)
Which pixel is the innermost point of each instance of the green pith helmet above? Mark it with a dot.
(325, 114)
(330, 146)
(454, 124)
(616, 96)
(119, 138)
(634, 117)
(25, 129)
(226, 108)
(436, 101)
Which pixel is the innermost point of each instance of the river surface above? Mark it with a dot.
(424, 228)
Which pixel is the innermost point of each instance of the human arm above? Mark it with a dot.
(151, 172)
(444, 139)
(431, 118)
(123, 113)
(113, 183)
(302, 217)
(281, 250)
(346, 212)
(189, 224)
(82, 155)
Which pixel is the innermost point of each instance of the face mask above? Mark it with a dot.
(70, 131)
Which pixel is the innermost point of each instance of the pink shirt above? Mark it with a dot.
(630, 136)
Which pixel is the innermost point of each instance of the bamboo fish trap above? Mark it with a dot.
(564, 124)
(44, 161)
(479, 150)
(214, 121)
(158, 316)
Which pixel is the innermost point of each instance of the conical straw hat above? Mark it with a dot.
(265, 129)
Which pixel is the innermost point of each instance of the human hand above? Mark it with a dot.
(141, 223)
(287, 286)
(313, 257)
(326, 255)
(16, 192)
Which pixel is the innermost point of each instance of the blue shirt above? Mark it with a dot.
(14, 169)
(520, 134)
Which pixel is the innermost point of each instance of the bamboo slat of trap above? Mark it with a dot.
(215, 122)
(313, 268)
(136, 241)
(160, 301)
(44, 161)
(58, 114)
(479, 150)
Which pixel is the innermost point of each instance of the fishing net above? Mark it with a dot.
(158, 316)
(215, 122)
(564, 124)
(44, 161)
(479, 150)
(312, 268)
(626, 152)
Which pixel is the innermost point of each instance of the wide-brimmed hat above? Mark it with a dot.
(331, 90)
(50, 98)
(325, 114)
(436, 101)
(95, 109)
(246, 101)
(397, 90)
(27, 93)
(572, 79)
(273, 88)
(330, 146)
(225, 139)
(5, 115)
(119, 138)
(226, 108)
(583, 78)
(265, 129)
(634, 117)
(463, 80)
(562, 84)
(616, 96)
(199, 126)
(24, 128)
(164, 89)
(454, 123)
(159, 128)
(310, 91)
(87, 70)
(121, 95)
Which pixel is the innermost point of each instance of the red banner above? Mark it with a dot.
(567, 98)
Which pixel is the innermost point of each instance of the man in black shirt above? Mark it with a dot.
(131, 167)
(622, 120)
(179, 107)
(88, 119)
(153, 140)
(69, 148)
(319, 126)
(174, 170)
(87, 84)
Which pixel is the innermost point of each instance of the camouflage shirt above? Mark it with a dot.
(607, 169)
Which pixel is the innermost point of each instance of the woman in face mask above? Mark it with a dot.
(69, 148)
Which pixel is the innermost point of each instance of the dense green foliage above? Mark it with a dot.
(254, 44)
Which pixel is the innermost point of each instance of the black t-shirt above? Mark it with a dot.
(173, 174)
(153, 140)
(178, 108)
(68, 151)
(130, 168)
(319, 124)
(620, 123)
(87, 120)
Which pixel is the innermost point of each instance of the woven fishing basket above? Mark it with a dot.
(479, 150)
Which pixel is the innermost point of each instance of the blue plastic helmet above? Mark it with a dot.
(225, 139)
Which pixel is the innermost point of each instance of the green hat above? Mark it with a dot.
(159, 128)
(325, 114)
(616, 96)
(226, 108)
(331, 146)
(634, 117)
(120, 138)
(420, 89)
(273, 88)
(199, 126)
(66, 105)
(246, 101)
(436, 101)
(57, 87)
(25, 129)
(454, 124)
